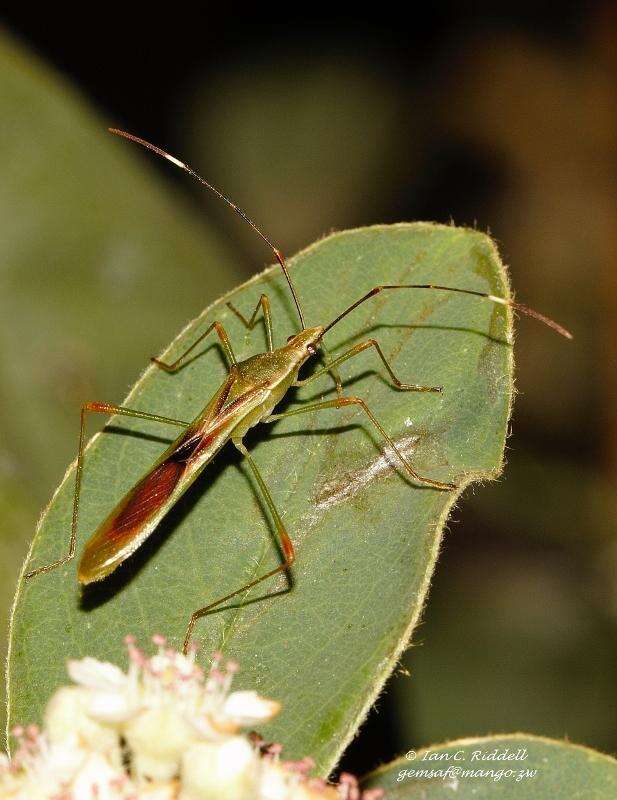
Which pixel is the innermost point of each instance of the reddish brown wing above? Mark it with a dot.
(140, 511)
(134, 517)
(137, 508)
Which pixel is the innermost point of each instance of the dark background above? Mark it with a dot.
(495, 115)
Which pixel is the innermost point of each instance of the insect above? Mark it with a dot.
(246, 397)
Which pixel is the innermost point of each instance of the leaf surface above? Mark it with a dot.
(366, 538)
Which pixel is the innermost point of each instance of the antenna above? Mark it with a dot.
(530, 312)
(279, 256)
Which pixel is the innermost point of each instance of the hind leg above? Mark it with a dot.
(100, 408)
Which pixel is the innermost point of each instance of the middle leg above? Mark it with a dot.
(340, 402)
(356, 350)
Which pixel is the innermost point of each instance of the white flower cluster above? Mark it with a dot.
(162, 731)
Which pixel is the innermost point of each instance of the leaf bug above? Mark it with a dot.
(248, 396)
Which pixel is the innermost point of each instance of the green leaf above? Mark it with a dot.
(367, 539)
(538, 769)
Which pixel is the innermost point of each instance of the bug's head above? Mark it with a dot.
(306, 343)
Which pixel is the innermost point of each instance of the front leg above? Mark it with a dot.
(222, 334)
(356, 350)
(264, 304)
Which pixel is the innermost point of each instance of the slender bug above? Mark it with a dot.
(248, 395)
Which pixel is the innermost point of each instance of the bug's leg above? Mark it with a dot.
(359, 348)
(100, 408)
(222, 334)
(287, 548)
(340, 402)
(264, 304)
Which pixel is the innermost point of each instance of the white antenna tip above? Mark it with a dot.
(175, 161)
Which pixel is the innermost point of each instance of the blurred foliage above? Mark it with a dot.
(554, 138)
(297, 142)
(366, 537)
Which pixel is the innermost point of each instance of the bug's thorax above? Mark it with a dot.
(279, 367)
(276, 371)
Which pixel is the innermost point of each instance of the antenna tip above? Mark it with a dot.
(175, 161)
(531, 312)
